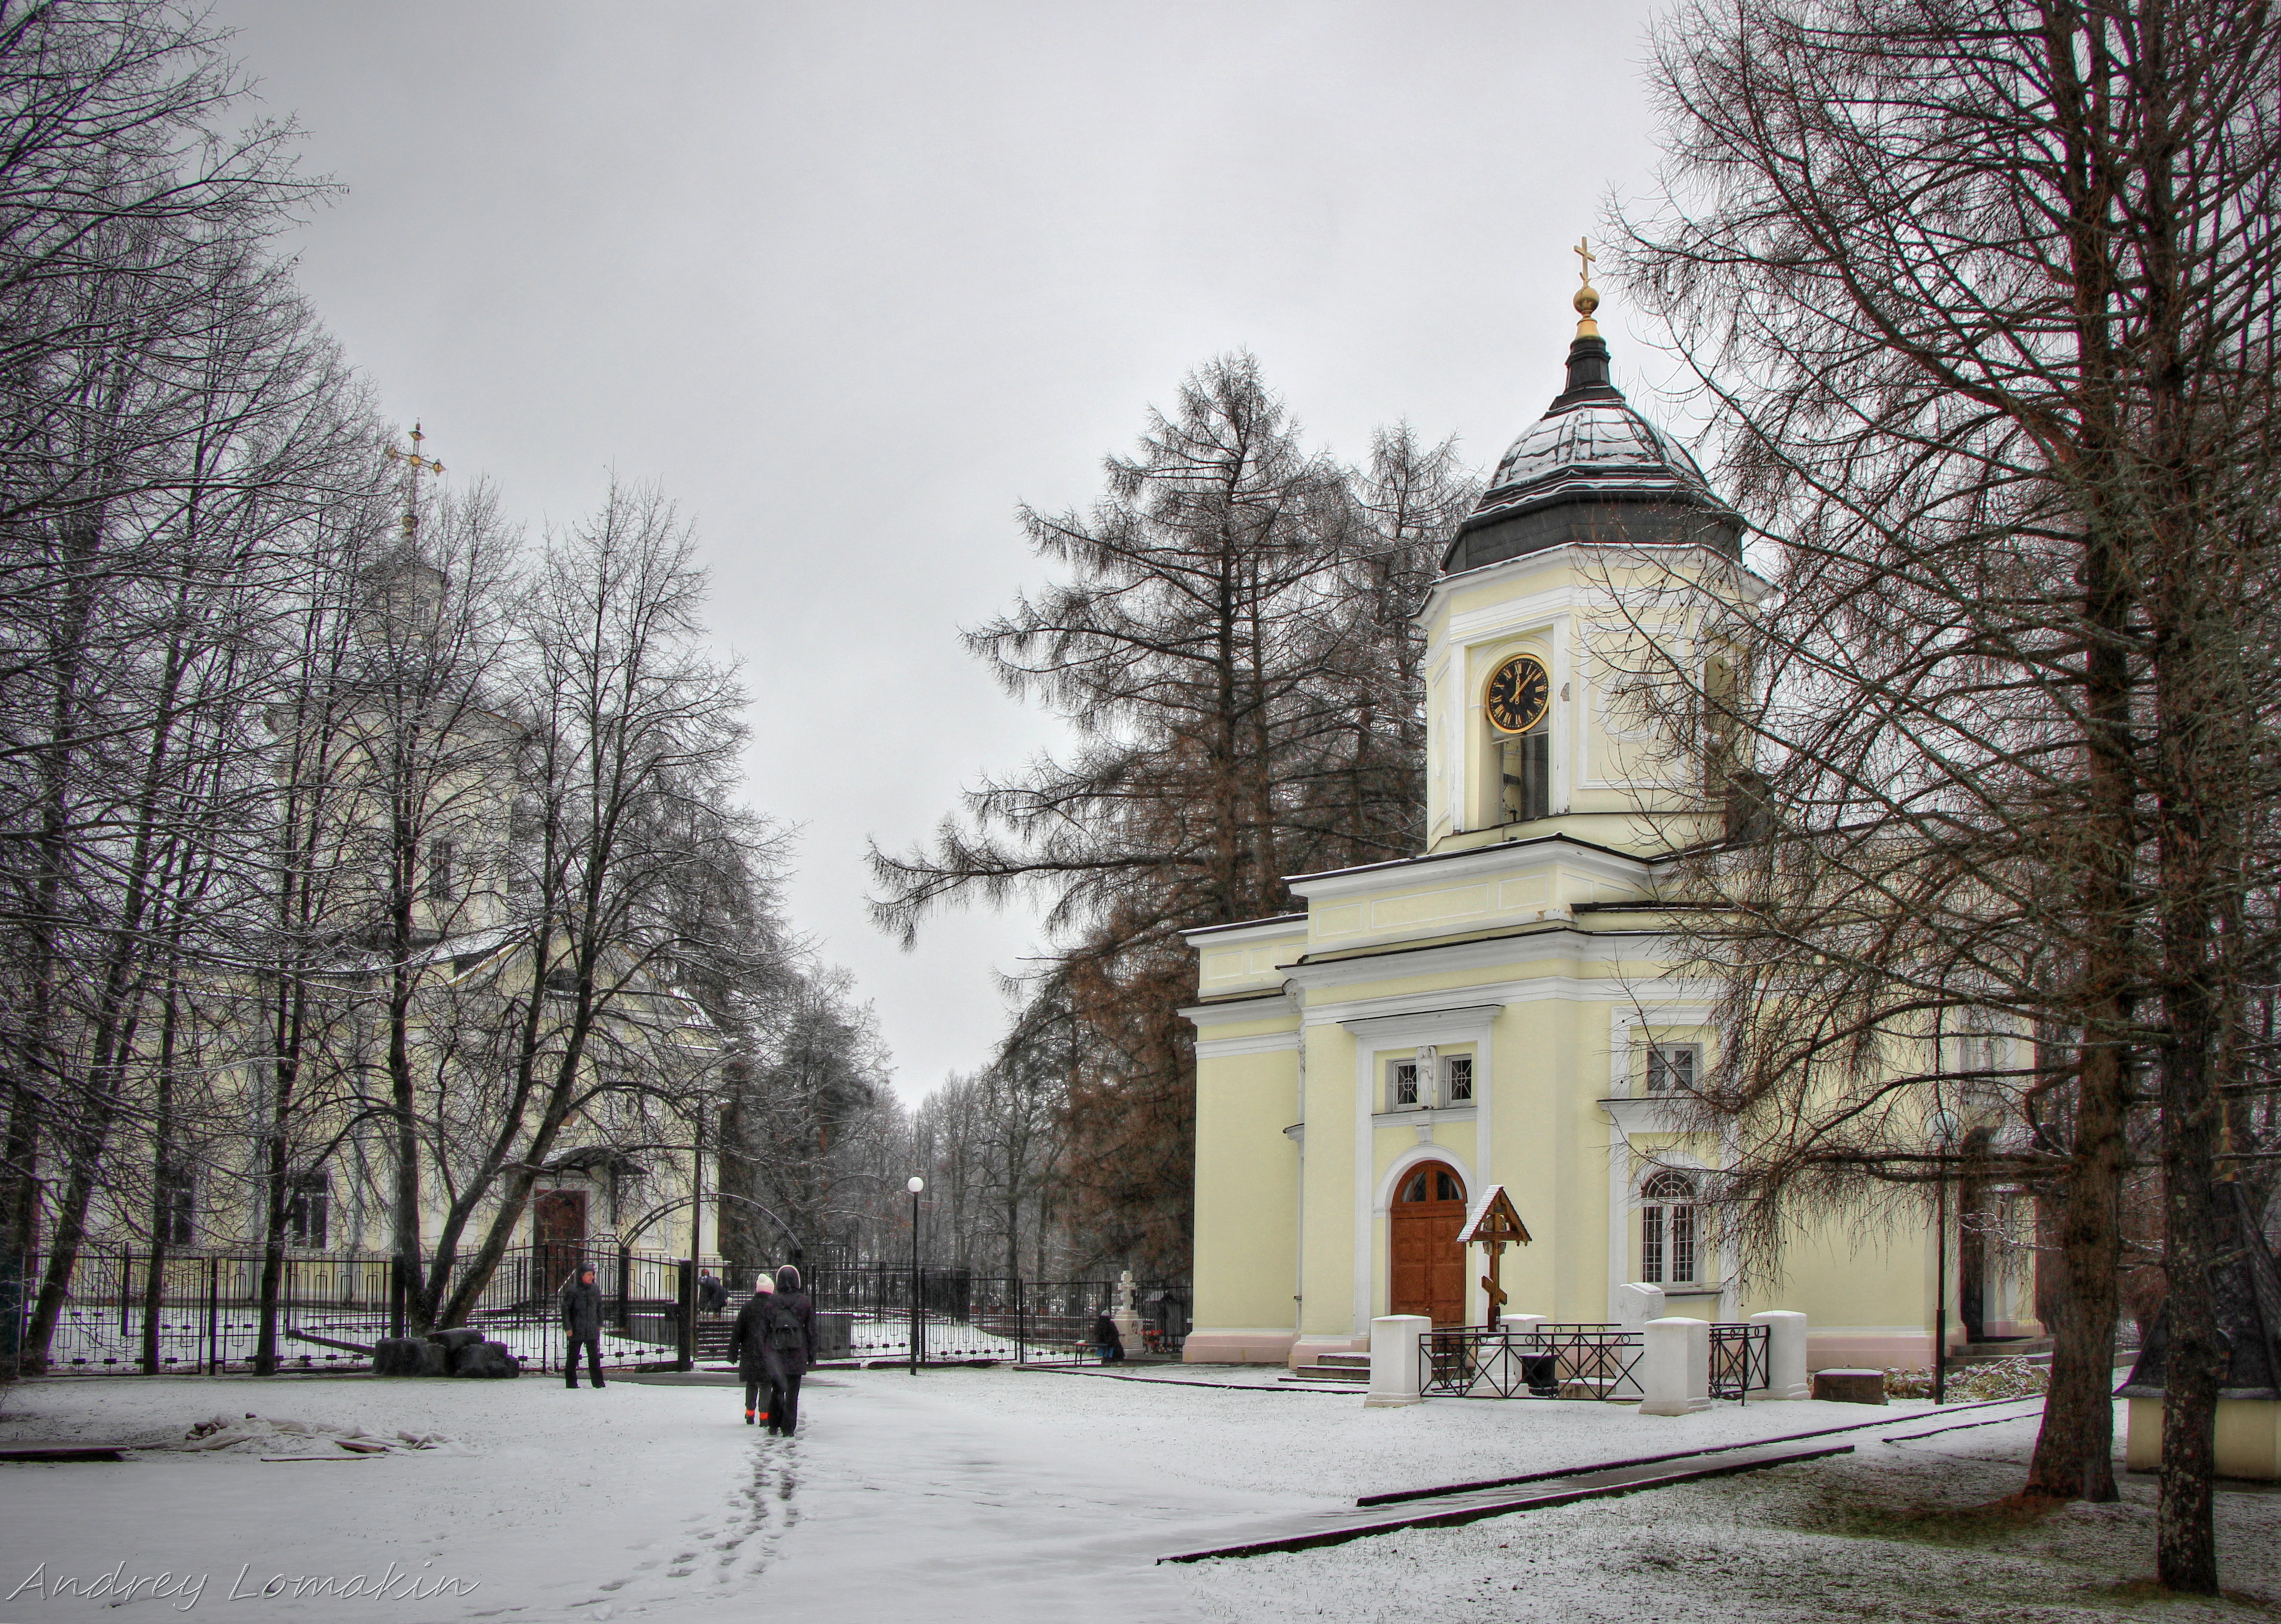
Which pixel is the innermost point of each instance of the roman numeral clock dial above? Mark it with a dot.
(1517, 692)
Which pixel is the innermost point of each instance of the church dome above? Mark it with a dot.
(1591, 469)
(1597, 445)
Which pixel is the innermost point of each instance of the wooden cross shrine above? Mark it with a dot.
(1495, 1225)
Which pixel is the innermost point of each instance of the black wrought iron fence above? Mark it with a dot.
(1739, 1360)
(1546, 1361)
(203, 1313)
(881, 1312)
(1574, 1361)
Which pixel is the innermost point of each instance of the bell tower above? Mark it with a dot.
(1589, 564)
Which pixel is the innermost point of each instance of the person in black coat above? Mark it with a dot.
(1108, 1338)
(748, 1345)
(791, 1349)
(582, 1326)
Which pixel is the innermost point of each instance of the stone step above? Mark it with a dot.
(1331, 1372)
(1344, 1359)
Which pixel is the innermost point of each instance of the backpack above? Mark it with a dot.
(785, 1333)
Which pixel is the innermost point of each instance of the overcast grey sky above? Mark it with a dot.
(851, 281)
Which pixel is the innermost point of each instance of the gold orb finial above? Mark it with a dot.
(1588, 298)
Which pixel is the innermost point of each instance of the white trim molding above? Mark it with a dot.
(1258, 1043)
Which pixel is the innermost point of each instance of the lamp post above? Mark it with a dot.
(1944, 1126)
(915, 1185)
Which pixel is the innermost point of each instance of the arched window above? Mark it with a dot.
(1668, 1249)
(1431, 1182)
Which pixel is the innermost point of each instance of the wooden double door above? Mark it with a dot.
(1429, 1264)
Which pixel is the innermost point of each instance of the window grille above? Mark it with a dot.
(307, 1208)
(439, 871)
(1667, 1230)
(1403, 1084)
(1461, 1079)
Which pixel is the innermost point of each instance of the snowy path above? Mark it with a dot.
(958, 1495)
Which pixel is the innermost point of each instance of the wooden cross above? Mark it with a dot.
(418, 465)
(1583, 251)
(1497, 1226)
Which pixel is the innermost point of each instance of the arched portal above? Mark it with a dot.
(1429, 1264)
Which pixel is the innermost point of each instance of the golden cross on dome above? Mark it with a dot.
(1588, 296)
(416, 465)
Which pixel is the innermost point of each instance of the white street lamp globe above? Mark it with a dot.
(915, 1185)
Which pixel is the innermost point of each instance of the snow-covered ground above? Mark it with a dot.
(1004, 1494)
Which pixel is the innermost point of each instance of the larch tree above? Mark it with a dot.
(1984, 296)
(1230, 641)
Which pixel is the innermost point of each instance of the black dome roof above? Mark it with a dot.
(1591, 469)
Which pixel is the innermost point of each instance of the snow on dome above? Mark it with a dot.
(1598, 444)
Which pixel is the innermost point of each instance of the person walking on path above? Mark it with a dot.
(748, 1345)
(581, 1325)
(791, 1349)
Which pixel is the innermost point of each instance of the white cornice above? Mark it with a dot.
(1506, 857)
(1256, 1043)
(1499, 995)
(1258, 1007)
(1249, 930)
(1651, 1115)
(1553, 943)
(1450, 1023)
(1753, 586)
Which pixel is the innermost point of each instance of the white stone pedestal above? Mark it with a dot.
(1637, 1303)
(1674, 1370)
(1396, 1358)
(1786, 1376)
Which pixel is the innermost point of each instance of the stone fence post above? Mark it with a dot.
(1786, 1375)
(1396, 1356)
(1674, 1367)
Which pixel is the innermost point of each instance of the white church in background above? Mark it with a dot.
(1500, 1009)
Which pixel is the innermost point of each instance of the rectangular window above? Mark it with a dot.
(1672, 1066)
(308, 1203)
(1461, 1079)
(1525, 770)
(439, 871)
(178, 1208)
(1652, 1245)
(1682, 1243)
(1402, 1085)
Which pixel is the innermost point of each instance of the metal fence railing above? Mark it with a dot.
(873, 1313)
(1574, 1361)
(1740, 1360)
(202, 1312)
(1546, 1361)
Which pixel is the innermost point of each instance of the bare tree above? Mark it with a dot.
(1985, 296)
(632, 729)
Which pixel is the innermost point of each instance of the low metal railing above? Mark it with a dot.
(1575, 1361)
(1546, 1361)
(1739, 1361)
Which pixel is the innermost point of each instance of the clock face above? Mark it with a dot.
(1518, 693)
